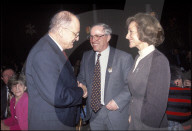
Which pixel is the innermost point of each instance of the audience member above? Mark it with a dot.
(179, 102)
(18, 105)
(6, 73)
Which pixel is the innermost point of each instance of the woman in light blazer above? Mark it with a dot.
(149, 77)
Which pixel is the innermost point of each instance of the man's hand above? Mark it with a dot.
(84, 89)
(187, 83)
(112, 106)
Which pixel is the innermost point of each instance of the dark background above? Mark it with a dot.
(24, 22)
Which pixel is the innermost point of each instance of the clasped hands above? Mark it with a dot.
(84, 89)
(110, 106)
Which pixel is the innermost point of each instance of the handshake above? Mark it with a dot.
(84, 89)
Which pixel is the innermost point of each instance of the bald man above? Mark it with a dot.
(54, 95)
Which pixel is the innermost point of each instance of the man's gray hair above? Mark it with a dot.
(106, 28)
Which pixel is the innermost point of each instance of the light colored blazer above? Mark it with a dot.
(149, 86)
(116, 85)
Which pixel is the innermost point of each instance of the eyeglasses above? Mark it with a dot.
(96, 37)
(7, 76)
(75, 34)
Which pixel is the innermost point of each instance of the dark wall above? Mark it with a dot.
(23, 23)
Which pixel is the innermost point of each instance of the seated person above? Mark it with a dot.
(18, 105)
(179, 101)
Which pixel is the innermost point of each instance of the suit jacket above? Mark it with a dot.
(149, 86)
(116, 85)
(54, 97)
(3, 101)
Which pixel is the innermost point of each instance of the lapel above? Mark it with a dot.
(91, 62)
(109, 65)
(64, 62)
(69, 66)
(92, 65)
(143, 62)
(131, 71)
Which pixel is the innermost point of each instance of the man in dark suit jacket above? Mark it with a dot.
(7, 72)
(115, 95)
(54, 96)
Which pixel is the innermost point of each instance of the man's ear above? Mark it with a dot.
(108, 38)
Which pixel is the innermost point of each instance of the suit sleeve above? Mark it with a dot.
(3, 101)
(156, 96)
(46, 76)
(122, 99)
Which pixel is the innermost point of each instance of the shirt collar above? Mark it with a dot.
(146, 50)
(105, 52)
(57, 44)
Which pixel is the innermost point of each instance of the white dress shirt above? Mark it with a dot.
(103, 66)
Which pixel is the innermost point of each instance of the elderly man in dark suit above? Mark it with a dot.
(107, 108)
(54, 96)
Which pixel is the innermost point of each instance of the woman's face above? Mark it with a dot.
(18, 90)
(132, 35)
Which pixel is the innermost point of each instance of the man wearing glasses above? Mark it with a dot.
(54, 95)
(6, 74)
(104, 71)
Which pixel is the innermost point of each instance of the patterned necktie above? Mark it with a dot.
(96, 87)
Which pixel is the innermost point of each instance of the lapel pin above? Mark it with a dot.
(110, 69)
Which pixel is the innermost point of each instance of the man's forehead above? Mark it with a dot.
(75, 23)
(8, 71)
(97, 29)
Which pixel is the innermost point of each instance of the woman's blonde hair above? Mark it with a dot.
(148, 27)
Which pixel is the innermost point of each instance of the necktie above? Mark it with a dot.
(96, 87)
(65, 54)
